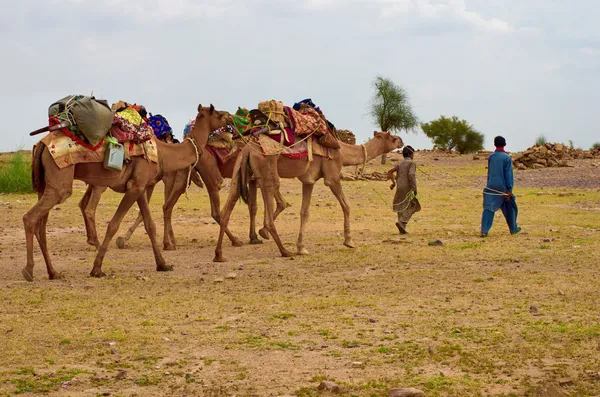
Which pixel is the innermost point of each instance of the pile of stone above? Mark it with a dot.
(550, 155)
(346, 136)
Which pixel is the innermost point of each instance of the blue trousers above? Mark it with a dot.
(509, 210)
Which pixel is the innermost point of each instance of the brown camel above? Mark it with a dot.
(206, 170)
(266, 171)
(175, 186)
(54, 185)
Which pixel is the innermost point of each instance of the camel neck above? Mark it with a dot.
(176, 156)
(355, 154)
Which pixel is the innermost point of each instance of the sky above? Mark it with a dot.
(515, 68)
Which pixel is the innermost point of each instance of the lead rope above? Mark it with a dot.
(187, 186)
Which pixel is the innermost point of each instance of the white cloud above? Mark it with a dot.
(444, 9)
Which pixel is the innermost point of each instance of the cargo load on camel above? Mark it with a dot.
(84, 129)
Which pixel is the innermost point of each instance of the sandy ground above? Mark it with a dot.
(497, 317)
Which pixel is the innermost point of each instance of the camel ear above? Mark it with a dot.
(212, 109)
(374, 133)
(389, 133)
(199, 108)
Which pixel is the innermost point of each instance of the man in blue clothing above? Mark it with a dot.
(498, 192)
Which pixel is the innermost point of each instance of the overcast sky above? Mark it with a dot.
(519, 68)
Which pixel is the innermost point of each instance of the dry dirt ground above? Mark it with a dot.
(500, 316)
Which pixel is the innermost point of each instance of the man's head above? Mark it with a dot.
(408, 151)
(499, 141)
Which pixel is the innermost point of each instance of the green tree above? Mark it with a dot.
(453, 134)
(391, 108)
(596, 146)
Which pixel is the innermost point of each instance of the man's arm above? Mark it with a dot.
(508, 174)
(390, 176)
(412, 177)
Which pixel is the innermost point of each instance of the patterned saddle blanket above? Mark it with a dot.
(66, 152)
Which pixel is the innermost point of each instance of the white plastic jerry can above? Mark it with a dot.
(114, 156)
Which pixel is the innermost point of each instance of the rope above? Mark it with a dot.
(189, 177)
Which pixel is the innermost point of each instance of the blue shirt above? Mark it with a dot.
(499, 178)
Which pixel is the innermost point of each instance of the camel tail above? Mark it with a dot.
(244, 177)
(37, 168)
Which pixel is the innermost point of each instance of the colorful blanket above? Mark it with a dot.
(66, 152)
(160, 126)
(306, 121)
(128, 125)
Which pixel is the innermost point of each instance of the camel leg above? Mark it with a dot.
(32, 221)
(268, 189)
(41, 238)
(281, 206)
(122, 240)
(174, 188)
(307, 189)
(82, 204)
(129, 198)
(88, 204)
(336, 189)
(215, 203)
(252, 209)
(161, 265)
(234, 195)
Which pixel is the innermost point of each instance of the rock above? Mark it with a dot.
(435, 243)
(358, 364)
(71, 382)
(593, 374)
(475, 157)
(550, 391)
(559, 147)
(219, 280)
(121, 375)
(406, 392)
(329, 386)
(565, 381)
(231, 276)
(533, 309)
(521, 166)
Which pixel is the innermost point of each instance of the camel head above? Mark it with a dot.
(215, 118)
(389, 141)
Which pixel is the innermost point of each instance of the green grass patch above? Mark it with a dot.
(15, 174)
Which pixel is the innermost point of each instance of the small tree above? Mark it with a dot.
(453, 134)
(595, 146)
(391, 108)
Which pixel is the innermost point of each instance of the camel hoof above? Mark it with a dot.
(121, 242)
(56, 276)
(164, 268)
(303, 251)
(236, 242)
(264, 233)
(287, 254)
(219, 258)
(255, 240)
(94, 243)
(27, 274)
(169, 247)
(97, 273)
(349, 243)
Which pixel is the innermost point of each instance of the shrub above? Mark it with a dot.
(596, 146)
(15, 175)
(541, 140)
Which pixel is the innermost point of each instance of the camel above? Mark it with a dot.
(206, 173)
(175, 184)
(54, 185)
(266, 171)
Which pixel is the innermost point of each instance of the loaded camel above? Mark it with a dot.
(175, 184)
(54, 185)
(266, 171)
